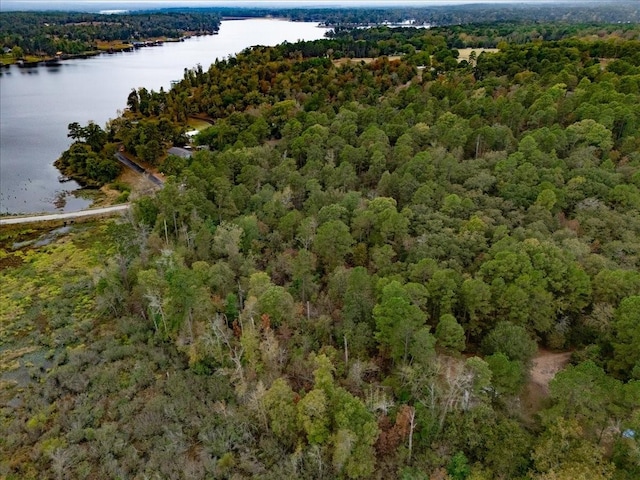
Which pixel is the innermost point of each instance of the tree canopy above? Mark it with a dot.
(354, 274)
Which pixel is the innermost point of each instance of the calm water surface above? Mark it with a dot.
(37, 104)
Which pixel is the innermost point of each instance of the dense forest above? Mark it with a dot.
(354, 274)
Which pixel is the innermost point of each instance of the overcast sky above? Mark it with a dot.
(94, 5)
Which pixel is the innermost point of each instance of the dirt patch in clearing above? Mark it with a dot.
(544, 367)
(343, 61)
(464, 53)
(604, 62)
(10, 261)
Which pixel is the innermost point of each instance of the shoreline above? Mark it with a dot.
(110, 48)
(33, 61)
(12, 209)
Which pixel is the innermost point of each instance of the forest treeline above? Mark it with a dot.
(46, 33)
(597, 11)
(352, 277)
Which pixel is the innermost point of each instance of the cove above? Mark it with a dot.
(37, 104)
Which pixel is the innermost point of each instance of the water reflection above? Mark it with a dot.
(29, 70)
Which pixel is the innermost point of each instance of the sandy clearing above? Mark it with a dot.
(545, 366)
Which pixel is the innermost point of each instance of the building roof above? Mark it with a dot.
(180, 152)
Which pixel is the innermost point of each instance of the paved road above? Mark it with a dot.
(85, 213)
(65, 216)
(137, 168)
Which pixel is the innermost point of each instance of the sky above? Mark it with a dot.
(96, 5)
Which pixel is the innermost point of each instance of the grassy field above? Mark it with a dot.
(343, 61)
(197, 124)
(9, 59)
(464, 53)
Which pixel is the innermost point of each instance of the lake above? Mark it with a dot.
(37, 104)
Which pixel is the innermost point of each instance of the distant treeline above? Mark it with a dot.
(45, 33)
(372, 42)
(573, 12)
(72, 32)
